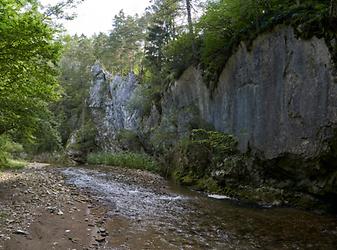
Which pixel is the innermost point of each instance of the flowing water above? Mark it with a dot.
(147, 212)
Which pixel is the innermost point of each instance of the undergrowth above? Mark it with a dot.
(124, 159)
(13, 165)
(9, 151)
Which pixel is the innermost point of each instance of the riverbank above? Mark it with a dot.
(39, 211)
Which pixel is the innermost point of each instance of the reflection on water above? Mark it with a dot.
(168, 217)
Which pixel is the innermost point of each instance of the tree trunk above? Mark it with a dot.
(333, 8)
(190, 25)
(298, 2)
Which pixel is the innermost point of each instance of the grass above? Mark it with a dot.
(13, 165)
(126, 159)
(55, 158)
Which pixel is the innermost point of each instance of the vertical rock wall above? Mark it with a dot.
(277, 97)
(109, 105)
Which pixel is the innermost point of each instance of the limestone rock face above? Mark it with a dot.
(108, 102)
(277, 97)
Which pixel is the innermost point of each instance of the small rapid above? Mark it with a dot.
(147, 212)
(127, 199)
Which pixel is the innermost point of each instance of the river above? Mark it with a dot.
(148, 212)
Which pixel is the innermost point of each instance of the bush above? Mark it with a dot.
(57, 157)
(129, 140)
(207, 159)
(125, 159)
(84, 138)
(8, 149)
(175, 62)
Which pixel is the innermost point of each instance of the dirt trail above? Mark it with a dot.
(39, 211)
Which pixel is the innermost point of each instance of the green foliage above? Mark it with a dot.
(121, 50)
(129, 140)
(209, 184)
(27, 67)
(196, 159)
(228, 22)
(59, 10)
(161, 31)
(126, 159)
(175, 62)
(13, 165)
(55, 158)
(8, 149)
(75, 78)
(85, 138)
(46, 138)
(219, 144)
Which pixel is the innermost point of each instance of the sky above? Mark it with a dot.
(94, 16)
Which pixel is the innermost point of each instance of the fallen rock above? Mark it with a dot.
(100, 239)
(21, 232)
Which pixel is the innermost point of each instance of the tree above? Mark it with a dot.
(333, 8)
(75, 78)
(161, 31)
(101, 48)
(190, 25)
(28, 55)
(125, 43)
(59, 10)
(121, 51)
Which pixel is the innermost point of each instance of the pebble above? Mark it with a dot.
(9, 221)
(100, 239)
(21, 232)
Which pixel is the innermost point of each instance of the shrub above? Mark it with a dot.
(207, 159)
(129, 140)
(124, 159)
(8, 149)
(175, 62)
(84, 138)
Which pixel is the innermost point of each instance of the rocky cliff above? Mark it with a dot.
(278, 97)
(108, 104)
